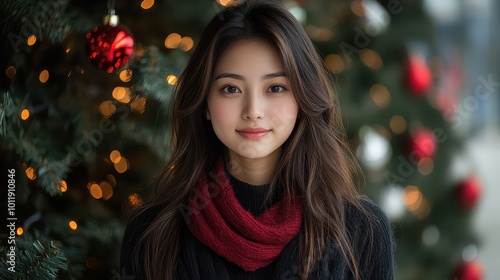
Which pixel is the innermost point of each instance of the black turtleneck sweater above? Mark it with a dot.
(253, 199)
(376, 261)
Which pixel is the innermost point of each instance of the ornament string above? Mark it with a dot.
(111, 7)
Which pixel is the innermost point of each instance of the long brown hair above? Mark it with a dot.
(315, 161)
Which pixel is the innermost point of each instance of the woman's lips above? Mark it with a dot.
(253, 133)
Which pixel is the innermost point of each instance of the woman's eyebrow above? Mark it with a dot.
(240, 77)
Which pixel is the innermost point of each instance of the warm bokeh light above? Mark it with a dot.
(25, 114)
(107, 108)
(425, 166)
(138, 106)
(106, 189)
(126, 75)
(122, 166)
(72, 225)
(173, 40)
(171, 79)
(11, 72)
(122, 94)
(371, 59)
(44, 76)
(31, 40)
(134, 200)
(115, 156)
(224, 2)
(334, 63)
(147, 4)
(436, 66)
(398, 124)
(413, 198)
(63, 186)
(319, 34)
(95, 191)
(186, 43)
(31, 173)
(19, 231)
(380, 95)
(358, 8)
(111, 180)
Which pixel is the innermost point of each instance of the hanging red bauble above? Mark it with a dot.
(422, 144)
(109, 46)
(417, 75)
(468, 192)
(469, 271)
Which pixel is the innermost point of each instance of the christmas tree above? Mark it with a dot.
(84, 125)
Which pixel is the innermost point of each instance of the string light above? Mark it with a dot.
(10, 72)
(134, 200)
(171, 79)
(122, 94)
(106, 189)
(20, 231)
(371, 59)
(413, 197)
(186, 43)
(147, 4)
(125, 75)
(224, 2)
(380, 95)
(425, 166)
(358, 8)
(31, 40)
(138, 106)
(107, 109)
(73, 225)
(122, 165)
(416, 202)
(335, 63)
(95, 191)
(44, 76)
(25, 114)
(173, 40)
(398, 124)
(111, 180)
(115, 156)
(30, 173)
(63, 186)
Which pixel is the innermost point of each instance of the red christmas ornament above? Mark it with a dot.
(468, 192)
(422, 144)
(110, 45)
(417, 74)
(469, 271)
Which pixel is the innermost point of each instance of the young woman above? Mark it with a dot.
(260, 184)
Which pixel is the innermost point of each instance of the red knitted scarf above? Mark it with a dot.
(218, 220)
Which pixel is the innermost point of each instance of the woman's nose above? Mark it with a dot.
(254, 106)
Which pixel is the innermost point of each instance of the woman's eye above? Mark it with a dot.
(276, 89)
(230, 89)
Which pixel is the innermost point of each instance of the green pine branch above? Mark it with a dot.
(49, 171)
(47, 20)
(152, 69)
(35, 259)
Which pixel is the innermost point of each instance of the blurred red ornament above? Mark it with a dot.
(422, 144)
(418, 75)
(109, 46)
(468, 192)
(469, 271)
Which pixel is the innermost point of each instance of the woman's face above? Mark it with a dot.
(251, 104)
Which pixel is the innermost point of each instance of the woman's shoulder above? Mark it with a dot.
(365, 213)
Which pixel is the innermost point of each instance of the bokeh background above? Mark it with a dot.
(84, 122)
